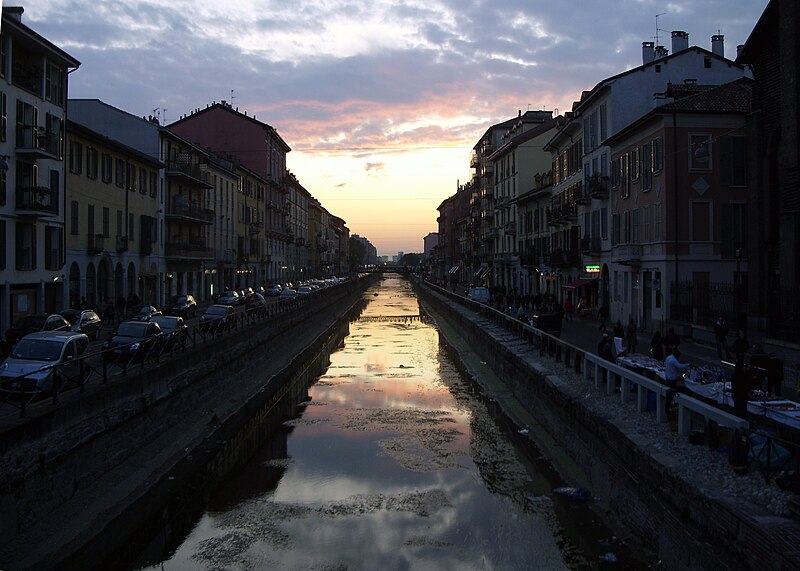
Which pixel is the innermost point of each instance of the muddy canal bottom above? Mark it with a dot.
(393, 463)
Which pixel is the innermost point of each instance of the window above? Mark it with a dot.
(626, 227)
(73, 218)
(615, 173)
(2, 189)
(635, 226)
(658, 154)
(625, 175)
(700, 151)
(625, 287)
(153, 182)
(657, 222)
(130, 181)
(603, 122)
(90, 220)
(3, 116)
(130, 227)
(604, 223)
(593, 129)
(616, 285)
(107, 168)
(707, 62)
(53, 260)
(120, 229)
(142, 181)
(25, 246)
(3, 240)
(701, 221)
(119, 174)
(75, 157)
(106, 222)
(646, 224)
(54, 85)
(647, 172)
(91, 162)
(3, 57)
(733, 161)
(615, 231)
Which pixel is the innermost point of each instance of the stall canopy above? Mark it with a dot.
(578, 283)
(453, 270)
(481, 272)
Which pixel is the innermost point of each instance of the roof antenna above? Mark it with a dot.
(657, 28)
(231, 97)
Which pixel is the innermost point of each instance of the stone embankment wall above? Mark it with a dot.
(71, 471)
(639, 484)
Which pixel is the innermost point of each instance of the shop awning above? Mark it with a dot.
(579, 283)
(453, 270)
(481, 272)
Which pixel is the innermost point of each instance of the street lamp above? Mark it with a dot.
(737, 278)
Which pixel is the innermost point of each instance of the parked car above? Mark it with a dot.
(305, 290)
(84, 321)
(38, 356)
(260, 289)
(132, 341)
(142, 312)
(31, 324)
(217, 318)
(256, 305)
(287, 293)
(274, 290)
(183, 306)
(174, 330)
(228, 297)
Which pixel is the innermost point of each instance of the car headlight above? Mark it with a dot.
(4, 367)
(135, 347)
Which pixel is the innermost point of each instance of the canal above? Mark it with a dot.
(395, 461)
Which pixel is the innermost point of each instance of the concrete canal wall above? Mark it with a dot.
(108, 458)
(639, 484)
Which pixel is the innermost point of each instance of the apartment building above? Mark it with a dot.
(33, 95)
(112, 214)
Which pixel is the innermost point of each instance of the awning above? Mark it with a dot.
(483, 271)
(579, 283)
(453, 270)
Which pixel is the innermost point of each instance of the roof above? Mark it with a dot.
(12, 19)
(729, 98)
(765, 27)
(73, 126)
(524, 137)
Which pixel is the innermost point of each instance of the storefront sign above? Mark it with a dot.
(592, 269)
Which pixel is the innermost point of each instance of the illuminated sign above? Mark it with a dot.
(592, 269)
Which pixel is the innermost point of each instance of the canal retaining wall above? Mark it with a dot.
(640, 485)
(71, 471)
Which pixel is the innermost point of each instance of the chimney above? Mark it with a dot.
(739, 50)
(648, 53)
(718, 45)
(680, 41)
(14, 12)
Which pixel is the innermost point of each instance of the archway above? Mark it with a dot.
(74, 286)
(104, 284)
(91, 286)
(119, 283)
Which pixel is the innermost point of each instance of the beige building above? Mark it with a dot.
(112, 235)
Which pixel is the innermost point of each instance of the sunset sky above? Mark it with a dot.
(381, 101)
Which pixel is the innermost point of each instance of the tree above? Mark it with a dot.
(357, 252)
(412, 260)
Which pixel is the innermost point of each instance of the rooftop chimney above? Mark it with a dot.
(718, 45)
(14, 12)
(680, 41)
(739, 50)
(648, 54)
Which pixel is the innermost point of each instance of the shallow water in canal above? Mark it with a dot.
(395, 462)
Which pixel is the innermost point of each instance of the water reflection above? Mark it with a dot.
(392, 464)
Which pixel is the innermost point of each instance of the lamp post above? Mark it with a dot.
(737, 278)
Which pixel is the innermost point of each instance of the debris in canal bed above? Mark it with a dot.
(580, 494)
(426, 542)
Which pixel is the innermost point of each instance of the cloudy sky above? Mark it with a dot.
(380, 100)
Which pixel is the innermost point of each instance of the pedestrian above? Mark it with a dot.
(656, 346)
(605, 348)
(721, 337)
(602, 313)
(740, 390)
(121, 307)
(568, 308)
(630, 336)
(619, 330)
(101, 309)
(774, 375)
(673, 373)
(740, 346)
(83, 302)
(671, 341)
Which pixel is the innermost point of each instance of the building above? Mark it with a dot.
(773, 243)
(112, 230)
(33, 96)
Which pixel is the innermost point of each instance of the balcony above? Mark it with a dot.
(96, 244)
(598, 186)
(36, 143)
(189, 249)
(37, 201)
(561, 258)
(591, 245)
(581, 194)
(628, 255)
(184, 170)
(181, 209)
(122, 243)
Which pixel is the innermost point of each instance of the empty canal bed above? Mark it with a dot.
(393, 462)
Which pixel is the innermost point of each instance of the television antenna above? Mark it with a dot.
(657, 28)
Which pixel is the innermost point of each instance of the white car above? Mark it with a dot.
(35, 357)
(305, 290)
(288, 293)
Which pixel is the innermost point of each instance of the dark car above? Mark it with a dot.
(32, 324)
(228, 297)
(217, 318)
(174, 329)
(183, 306)
(133, 341)
(256, 305)
(142, 312)
(274, 290)
(84, 321)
